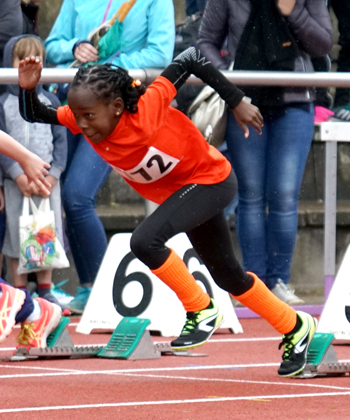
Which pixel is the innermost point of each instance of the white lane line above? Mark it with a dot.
(118, 371)
(242, 381)
(215, 340)
(169, 402)
(136, 373)
(63, 372)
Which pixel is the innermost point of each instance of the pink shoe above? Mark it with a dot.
(11, 302)
(322, 114)
(34, 334)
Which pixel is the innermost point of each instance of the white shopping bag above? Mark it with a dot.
(40, 249)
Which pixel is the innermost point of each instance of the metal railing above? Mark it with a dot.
(335, 79)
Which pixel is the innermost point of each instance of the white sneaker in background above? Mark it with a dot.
(283, 292)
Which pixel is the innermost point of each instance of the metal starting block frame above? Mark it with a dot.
(322, 359)
(130, 341)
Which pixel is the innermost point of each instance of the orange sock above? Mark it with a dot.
(262, 301)
(175, 274)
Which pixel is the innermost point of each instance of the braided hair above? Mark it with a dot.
(109, 82)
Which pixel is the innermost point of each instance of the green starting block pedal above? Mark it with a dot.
(322, 359)
(60, 337)
(130, 340)
(59, 344)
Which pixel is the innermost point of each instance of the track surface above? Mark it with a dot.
(237, 380)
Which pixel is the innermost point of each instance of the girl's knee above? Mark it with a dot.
(139, 246)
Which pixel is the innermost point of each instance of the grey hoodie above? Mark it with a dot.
(47, 141)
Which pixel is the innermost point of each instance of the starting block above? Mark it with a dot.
(322, 359)
(130, 341)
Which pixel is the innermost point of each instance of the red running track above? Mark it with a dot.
(237, 380)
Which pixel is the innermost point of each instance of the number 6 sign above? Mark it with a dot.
(124, 286)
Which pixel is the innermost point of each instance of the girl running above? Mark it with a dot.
(163, 156)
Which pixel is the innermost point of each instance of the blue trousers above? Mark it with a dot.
(85, 174)
(269, 169)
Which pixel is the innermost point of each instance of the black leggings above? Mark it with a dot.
(197, 210)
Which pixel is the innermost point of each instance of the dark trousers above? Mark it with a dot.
(197, 210)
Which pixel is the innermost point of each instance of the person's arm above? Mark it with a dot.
(310, 24)
(59, 140)
(62, 37)
(34, 167)
(191, 61)
(213, 32)
(31, 108)
(151, 45)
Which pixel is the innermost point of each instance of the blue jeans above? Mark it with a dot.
(85, 174)
(269, 169)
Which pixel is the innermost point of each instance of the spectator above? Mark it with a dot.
(341, 105)
(323, 99)
(269, 167)
(148, 41)
(48, 142)
(38, 317)
(30, 11)
(11, 22)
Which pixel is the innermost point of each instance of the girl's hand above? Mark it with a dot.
(53, 181)
(86, 52)
(37, 170)
(286, 6)
(246, 113)
(29, 72)
(23, 185)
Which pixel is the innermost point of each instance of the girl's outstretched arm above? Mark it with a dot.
(34, 167)
(30, 107)
(191, 61)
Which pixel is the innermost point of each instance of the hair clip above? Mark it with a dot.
(136, 83)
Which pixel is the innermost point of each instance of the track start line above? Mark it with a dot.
(130, 341)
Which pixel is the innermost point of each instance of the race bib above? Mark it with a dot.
(153, 166)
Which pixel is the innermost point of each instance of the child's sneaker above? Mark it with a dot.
(11, 302)
(77, 305)
(34, 334)
(296, 346)
(198, 328)
(61, 295)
